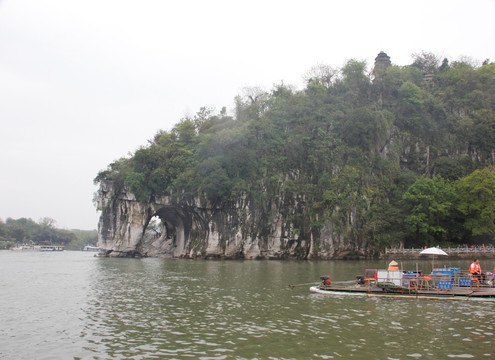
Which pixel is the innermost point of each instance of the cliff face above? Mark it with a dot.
(191, 229)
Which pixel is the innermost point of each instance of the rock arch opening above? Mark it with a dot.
(153, 230)
(164, 233)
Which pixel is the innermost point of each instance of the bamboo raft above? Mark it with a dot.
(443, 284)
(454, 294)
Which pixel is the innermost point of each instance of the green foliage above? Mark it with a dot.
(448, 168)
(83, 238)
(476, 194)
(356, 84)
(215, 183)
(429, 203)
(25, 230)
(427, 63)
(364, 128)
(410, 108)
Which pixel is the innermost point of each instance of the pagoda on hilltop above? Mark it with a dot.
(382, 60)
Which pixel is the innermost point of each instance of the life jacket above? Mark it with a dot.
(328, 281)
(475, 268)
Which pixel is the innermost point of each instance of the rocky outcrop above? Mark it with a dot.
(191, 228)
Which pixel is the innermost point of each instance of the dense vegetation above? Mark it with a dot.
(26, 231)
(406, 152)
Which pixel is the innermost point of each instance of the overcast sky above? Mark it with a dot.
(82, 83)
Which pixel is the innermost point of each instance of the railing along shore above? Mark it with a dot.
(490, 250)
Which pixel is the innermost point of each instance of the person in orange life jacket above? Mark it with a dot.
(475, 270)
(325, 280)
(393, 266)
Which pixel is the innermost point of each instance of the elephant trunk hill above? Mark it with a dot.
(356, 162)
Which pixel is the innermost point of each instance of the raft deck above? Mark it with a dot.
(460, 293)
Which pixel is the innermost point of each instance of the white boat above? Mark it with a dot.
(91, 248)
(50, 247)
(22, 247)
(26, 247)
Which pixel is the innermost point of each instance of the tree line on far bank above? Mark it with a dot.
(26, 231)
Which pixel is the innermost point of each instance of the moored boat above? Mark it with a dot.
(50, 247)
(29, 247)
(446, 284)
(22, 247)
(91, 248)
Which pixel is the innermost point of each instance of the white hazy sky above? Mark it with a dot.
(82, 83)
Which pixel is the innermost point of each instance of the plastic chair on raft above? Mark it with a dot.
(425, 282)
(413, 284)
(469, 281)
(475, 281)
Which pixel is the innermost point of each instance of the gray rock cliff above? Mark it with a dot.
(191, 228)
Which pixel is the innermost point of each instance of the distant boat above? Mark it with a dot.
(26, 247)
(91, 248)
(22, 247)
(50, 247)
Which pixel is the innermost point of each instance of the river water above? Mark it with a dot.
(72, 305)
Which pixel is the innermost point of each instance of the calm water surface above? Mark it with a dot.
(72, 305)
